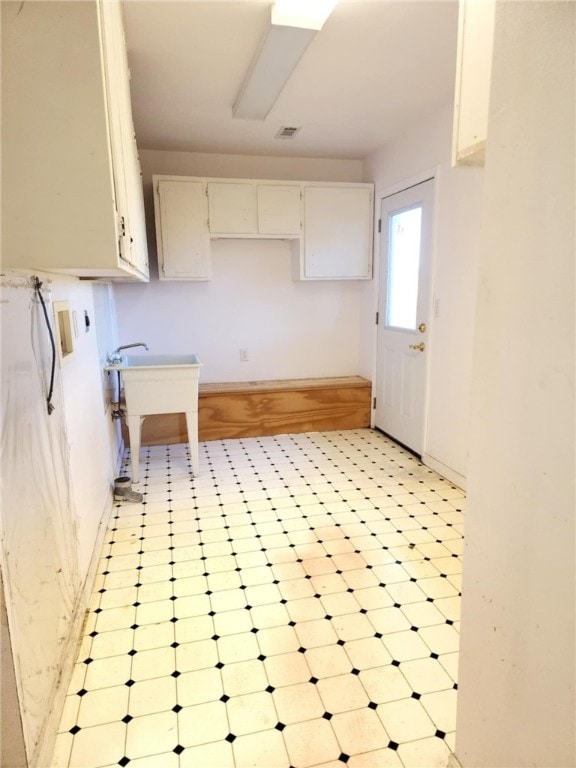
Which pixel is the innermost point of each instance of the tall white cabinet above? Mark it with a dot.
(72, 191)
(473, 75)
(337, 233)
(181, 213)
(329, 224)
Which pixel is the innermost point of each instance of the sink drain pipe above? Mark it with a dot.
(123, 490)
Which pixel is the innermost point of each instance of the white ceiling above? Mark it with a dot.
(375, 69)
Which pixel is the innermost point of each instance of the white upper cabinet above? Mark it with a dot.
(473, 73)
(72, 197)
(126, 163)
(181, 231)
(279, 209)
(329, 225)
(232, 207)
(252, 208)
(337, 233)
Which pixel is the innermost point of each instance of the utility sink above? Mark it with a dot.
(159, 384)
(158, 361)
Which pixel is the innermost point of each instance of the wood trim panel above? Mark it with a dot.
(255, 409)
(279, 385)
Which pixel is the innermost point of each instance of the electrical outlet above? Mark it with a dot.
(243, 355)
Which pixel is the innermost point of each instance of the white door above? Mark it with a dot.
(405, 250)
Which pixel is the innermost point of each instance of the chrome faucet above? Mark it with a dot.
(116, 357)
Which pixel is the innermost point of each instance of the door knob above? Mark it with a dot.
(420, 347)
(422, 327)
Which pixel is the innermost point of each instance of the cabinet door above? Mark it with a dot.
(181, 230)
(279, 209)
(127, 176)
(337, 233)
(232, 208)
(473, 72)
(66, 107)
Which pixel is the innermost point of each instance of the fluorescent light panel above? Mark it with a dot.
(293, 24)
(302, 13)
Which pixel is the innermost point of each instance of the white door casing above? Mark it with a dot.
(403, 310)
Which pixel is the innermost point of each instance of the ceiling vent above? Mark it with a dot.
(287, 132)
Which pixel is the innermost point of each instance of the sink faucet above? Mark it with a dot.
(116, 357)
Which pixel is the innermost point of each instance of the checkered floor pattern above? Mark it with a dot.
(295, 605)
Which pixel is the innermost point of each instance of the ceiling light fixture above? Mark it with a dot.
(293, 24)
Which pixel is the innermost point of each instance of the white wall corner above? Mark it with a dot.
(443, 469)
(453, 762)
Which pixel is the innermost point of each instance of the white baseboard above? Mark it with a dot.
(455, 477)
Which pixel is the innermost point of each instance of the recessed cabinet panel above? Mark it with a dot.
(232, 208)
(337, 232)
(279, 209)
(182, 235)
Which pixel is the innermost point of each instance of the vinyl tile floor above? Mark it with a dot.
(296, 604)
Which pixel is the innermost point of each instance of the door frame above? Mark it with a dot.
(434, 173)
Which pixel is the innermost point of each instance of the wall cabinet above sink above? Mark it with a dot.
(329, 224)
(182, 236)
(72, 198)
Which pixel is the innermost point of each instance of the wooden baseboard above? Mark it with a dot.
(260, 408)
(272, 408)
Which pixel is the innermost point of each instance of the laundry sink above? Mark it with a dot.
(158, 361)
(159, 384)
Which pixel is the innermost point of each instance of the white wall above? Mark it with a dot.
(89, 437)
(247, 166)
(454, 261)
(12, 749)
(290, 329)
(516, 702)
(57, 472)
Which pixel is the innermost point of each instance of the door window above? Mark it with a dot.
(403, 268)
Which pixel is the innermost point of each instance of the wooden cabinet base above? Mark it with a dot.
(255, 409)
